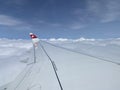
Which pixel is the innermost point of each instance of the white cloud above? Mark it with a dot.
(57, 40)
(14, 23)
(52, 39)
(49, 23)
(113, 11)
(71, 40)
(104, 10)
(76, 26)
(84, 39)
(62, 39)
(9, 21)
(12, 47)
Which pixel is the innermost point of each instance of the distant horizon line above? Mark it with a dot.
(63, 39)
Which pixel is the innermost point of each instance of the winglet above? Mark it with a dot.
(34, 38)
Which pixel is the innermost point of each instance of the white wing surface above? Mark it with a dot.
(76, 71)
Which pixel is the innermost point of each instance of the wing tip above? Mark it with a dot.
(33, 36)
(30, 33)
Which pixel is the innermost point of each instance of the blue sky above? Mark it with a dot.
(60, 18)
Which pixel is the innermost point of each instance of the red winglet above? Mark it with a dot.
(33, 36)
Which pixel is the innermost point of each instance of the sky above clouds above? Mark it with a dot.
(60, 18)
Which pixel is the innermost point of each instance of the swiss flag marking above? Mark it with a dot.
(33, 36)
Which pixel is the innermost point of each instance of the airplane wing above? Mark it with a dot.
(75, 71)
